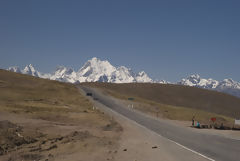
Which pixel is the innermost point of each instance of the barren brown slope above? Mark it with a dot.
(176, 95)
(23, 91)
(48, 120)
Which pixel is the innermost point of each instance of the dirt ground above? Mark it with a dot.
(25, 138)
(140, 144)
(46, 120)
(233, 134)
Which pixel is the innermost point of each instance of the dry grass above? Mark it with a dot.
(175, 101)
(59, 113)
(47, 100)
(22, 93)
(179, 113)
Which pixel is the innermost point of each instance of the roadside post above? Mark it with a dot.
(131, 99)
(213, 120)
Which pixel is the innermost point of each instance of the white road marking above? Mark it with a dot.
(191, 150)
(184, 147)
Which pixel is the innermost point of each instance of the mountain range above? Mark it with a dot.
(96, 70)
(227, 85)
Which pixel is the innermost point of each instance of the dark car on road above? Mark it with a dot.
(89, 94)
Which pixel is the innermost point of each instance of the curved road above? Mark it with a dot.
(210, 146)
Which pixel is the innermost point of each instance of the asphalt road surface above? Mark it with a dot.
(209, 146)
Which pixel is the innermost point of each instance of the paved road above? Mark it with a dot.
(214, 147)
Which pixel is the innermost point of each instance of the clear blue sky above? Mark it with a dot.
(168, 39)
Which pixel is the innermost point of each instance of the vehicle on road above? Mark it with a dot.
(89, 94)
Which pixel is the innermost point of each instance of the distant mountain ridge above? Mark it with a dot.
(96, 70)
(227, 85)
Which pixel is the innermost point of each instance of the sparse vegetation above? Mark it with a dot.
(42, 120)
(22, 93)
(176, 102)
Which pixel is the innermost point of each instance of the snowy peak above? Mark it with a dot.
(30, 70)
(64, 74)
(163, 82)
(227, 85)
(94, 69)
(142, 73)
(191, 80)
(96, 66)
(61, 70)
(196, 81)
(14, 69)
(122, 75)
(195, 78)
(143, 77)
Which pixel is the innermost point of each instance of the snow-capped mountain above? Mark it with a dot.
(14, 69)
(162, 82)
(30, 70)
(64, 74)
(96, 70)
(143, 77)
(227, 85)
(122, 74)
(196, 81)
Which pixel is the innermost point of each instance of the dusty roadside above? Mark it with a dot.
(24, 138)
(232, 134)
(139, 144)
(46, 120)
